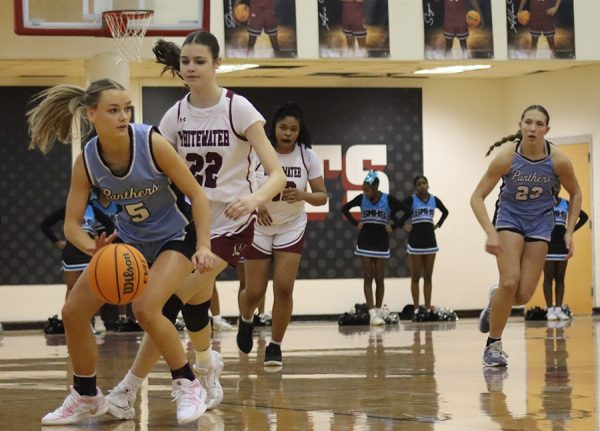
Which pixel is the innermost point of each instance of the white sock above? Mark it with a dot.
(133, 381)
(250, 320)
(277, 343)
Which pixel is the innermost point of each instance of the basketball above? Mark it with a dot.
(241, 12)
(118, 273)
(473, 18)
(523, 17)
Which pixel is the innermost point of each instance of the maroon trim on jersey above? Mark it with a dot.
(248, 172)
(229, 95)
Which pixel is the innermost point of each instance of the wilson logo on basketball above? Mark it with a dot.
(128, 275)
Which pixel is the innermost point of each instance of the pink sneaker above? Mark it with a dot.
(190, 398)
(76, 408)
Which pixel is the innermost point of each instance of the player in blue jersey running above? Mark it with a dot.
(135, 167)
(518, 236)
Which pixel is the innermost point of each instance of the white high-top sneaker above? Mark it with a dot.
(190, 397)
(560, 314)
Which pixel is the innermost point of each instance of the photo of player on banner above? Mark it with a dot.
(458, 29)
(260, 28)
(540, 29)
(353, 28)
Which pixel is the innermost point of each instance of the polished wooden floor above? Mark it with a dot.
(414, 376)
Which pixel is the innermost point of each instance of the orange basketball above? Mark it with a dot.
(473, 18)
(118, 273)
(523, 17)
(241, 12)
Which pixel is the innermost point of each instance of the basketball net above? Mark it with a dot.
(128, 28)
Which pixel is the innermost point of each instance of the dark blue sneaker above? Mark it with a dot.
(273, 356)
(244, 336)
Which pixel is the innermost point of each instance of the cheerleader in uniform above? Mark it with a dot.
(556, 259)
(373, 243)
(422, 245)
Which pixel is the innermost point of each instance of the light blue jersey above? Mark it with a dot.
(527, 188)
(561, 211)
(422, 212)
(150, 212)
(376, 213)
(526, 201)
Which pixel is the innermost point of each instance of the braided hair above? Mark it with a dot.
(518, 136)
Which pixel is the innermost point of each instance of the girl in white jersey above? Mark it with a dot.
(279, 234)
(521, 230)
(121, 158)
(214, 131)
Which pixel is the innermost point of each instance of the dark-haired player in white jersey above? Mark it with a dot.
(132, 165)
(279, 234)
(216, 132)
(519, 234)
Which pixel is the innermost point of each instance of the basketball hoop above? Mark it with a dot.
(128, 28)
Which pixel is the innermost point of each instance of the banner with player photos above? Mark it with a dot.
(353, 29)
(540, 29)
(458, 29)
(353, 130)
(260, 28)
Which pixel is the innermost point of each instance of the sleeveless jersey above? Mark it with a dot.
(422, 212)
(527, 189)
(299, 166)
(210, 140)
(375, 213)
(150, 212)
(561, 210)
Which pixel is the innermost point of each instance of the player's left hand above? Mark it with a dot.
(241, 207)
(203, 260)
(292, 195)
(388, 228)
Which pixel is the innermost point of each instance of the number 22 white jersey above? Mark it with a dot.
(212, 143)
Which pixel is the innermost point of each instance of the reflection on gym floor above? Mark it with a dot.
(411, 376)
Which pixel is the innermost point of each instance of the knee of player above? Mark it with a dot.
(71, 313)
(144, 312)
(196, 316)
(509, 284)
(523, 297)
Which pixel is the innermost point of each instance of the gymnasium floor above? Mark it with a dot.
(415, 376)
